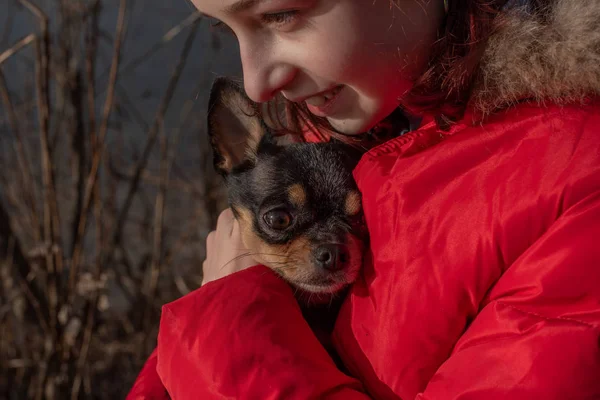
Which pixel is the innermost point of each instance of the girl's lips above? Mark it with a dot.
(322, 105)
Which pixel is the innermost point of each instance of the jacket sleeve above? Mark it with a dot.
(148, 385)
(244, 337)
(538, 336)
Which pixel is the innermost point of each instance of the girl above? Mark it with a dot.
(483, 278)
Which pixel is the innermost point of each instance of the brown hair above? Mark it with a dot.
(444, 88)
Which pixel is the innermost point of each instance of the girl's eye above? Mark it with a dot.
(279, 19)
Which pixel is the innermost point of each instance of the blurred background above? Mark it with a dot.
(106, 185)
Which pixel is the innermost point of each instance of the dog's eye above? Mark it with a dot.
(278, 219)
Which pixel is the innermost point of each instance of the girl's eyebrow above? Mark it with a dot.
(242, 5)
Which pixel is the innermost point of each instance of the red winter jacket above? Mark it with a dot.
(483, 280)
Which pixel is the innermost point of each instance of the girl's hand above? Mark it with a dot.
(225, 252)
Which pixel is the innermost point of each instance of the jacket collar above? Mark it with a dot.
(551, 57)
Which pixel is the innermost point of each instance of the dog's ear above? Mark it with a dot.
(234, 129)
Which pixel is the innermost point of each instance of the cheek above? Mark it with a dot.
(373, 75)
(329, 47)
(375, 49)
(340, 46)
(323, 60)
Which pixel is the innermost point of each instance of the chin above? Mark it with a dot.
(357, 124)
(351, 126)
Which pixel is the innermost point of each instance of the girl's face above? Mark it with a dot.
(349, 60)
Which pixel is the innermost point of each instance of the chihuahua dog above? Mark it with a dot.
(298, 206)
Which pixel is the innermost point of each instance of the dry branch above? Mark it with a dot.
(22, 158)
(157, 248)
(51, 222)
(92, 189)
(194, 18)
(97, 155)
(10, 248)
(8, 24)
(83, 333)
(166, 101)
(14, 49)
(91, 39)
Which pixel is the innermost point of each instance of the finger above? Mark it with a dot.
(204, 273)
(210, 242)
(225, 218)
(236, 231)
(225, 224)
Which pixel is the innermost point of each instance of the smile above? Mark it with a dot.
(321, 104)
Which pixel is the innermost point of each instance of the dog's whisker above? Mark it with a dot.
(235, 259)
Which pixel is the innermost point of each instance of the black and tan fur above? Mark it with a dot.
(298, 206)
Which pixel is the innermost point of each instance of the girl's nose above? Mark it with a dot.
(265, 74)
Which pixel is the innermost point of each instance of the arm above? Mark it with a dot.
(244, 337)
(538, 336)
(241, 335)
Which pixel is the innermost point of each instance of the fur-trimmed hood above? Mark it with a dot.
(554, 57)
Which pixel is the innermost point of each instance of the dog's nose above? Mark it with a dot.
(331, 257)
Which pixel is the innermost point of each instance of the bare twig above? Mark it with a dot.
(85, 345)
(93, 190)
(5, 55)
(157, 245)
(182, 240)
(90, 70)
(168, 151)
(22, 158)
(132, 109)
(128, 173)
(116, 234)
(58, 339)
(8, 24)
(97, 156)
(23, 268)
(92, 39)
(167, 37)
(51, 218)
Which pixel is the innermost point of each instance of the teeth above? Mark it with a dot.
(320, 100)
(316, 100)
